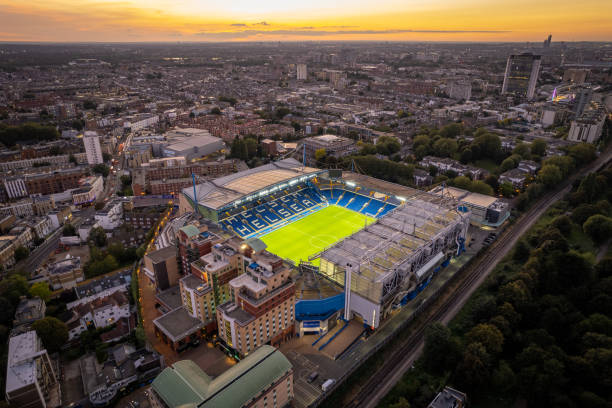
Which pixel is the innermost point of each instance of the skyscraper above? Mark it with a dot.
(522, 75)
(91, 140)
(302, 73)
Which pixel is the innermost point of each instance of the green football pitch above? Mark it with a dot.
(311, 234)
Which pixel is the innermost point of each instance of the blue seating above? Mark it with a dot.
(346, 197)
(358, 202)
(373, 207)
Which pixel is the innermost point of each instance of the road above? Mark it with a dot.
(385, 378)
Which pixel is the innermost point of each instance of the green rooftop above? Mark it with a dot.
(185, 385)
(190, 230)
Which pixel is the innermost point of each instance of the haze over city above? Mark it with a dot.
(318, 20)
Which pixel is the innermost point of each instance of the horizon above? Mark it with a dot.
(191, 21)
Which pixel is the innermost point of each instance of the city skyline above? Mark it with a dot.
(389, 20)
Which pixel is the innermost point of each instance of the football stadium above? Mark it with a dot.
(382, 240)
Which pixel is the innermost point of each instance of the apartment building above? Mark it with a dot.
(262, 307)
(161, 267)
(193, 241)
(65, 274)
(91, 141)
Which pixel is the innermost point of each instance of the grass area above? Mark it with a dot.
(487, 164)
(311, 234)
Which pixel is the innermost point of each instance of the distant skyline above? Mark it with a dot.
(314, 20)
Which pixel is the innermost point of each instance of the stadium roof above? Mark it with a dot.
(394, 238)
(186, 385)
(220, 192)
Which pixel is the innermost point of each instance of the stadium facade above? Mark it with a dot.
(410, 236)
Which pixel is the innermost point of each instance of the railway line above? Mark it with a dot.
(464, 283)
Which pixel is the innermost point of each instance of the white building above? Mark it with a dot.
(588, 127)
(111, 216)
(101, 312)
(15, 188)
(301, 72)
(91, 141)
(141, 123)
(91, 188)
(23, 208)
(460, 90)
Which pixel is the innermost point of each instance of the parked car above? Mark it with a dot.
(313, 376)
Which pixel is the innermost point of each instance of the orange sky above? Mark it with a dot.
(315, 20)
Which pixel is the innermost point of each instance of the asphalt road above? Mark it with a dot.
(393, 369)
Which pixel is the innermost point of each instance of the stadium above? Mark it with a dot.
(384, 241)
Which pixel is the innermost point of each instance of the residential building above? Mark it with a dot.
(99, 312)
(588, 127)
(161, 267)
(262, 307)
(575, 75)
(301, 72)
(194, 240)
(31, 381)
(7, 251)
(449, 398)
(333, 145)
(198, 299)
(521, 75)
(262, 379)
(90, 188)
(91, 141)
(65, 274)
(460, 90)
(111, 216)
(29, 310)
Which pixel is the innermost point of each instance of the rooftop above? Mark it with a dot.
(170, 297)
(177, 324)
(163, 254)
(186, 385)
(21, 366)
(225, 190)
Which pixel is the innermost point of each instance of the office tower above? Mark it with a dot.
(548, 41)
(91, 140)
(522, 75)
(302, 73)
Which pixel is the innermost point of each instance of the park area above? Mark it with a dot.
(311, 234)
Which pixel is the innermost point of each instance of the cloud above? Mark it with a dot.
(308, 32)
(238, 25)
(263, 23)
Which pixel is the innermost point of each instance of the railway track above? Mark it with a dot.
(465, 282)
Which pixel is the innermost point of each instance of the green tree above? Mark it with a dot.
(521, 251)
(68, 230)
(320, 154)
(102, 169)
(215, 111)
(41, 289)
(582, 153)
(550, 175)
(481, 187)
(444, 147)
(21, 253)
(523, 150)
(598, 227)
(7, 311)
(13, 287)
(538, 147)
(462, 182)
(110, 263)
(506, 189)
(487, 335)
(508, 164)
(52, 331)
(563, 223)
(451, 130)
(441, 351)
(98, 236)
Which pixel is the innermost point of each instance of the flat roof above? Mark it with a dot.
(21, 367)
(177, 324)
(220, 192)
(170, 297)
(161, 255)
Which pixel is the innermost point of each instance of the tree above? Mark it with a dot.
(506, 189)
(215, 111)
(521, 251)
(68, 230)
(492, 181)
(320, 154)
(523, 150)
(487, 335)
(98, 236)
(462, 182)
(101, 169)
(451, 130)
(598, 227)
(582, 153)
(21, 253)
(13, 287)
(72, 159)
(538, 147)
(508, 164)
(474, 369)
(563, 223)
(41, 289)
(53, 332)
(550, 175)
(444, 147)
(7, 311)
(110, 263)
(481, 187)
(441, 350)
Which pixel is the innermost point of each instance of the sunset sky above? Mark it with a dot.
(311, 20)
